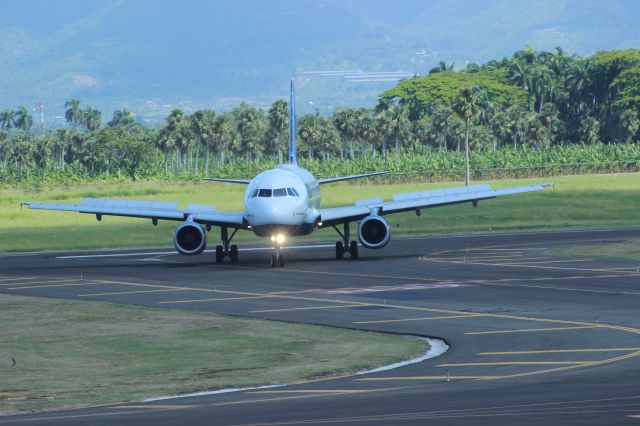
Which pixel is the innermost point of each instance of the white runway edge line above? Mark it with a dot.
(436, 348)
(92, 256)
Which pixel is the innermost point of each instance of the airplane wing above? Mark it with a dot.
(338, 179)
(241, 181)
(414, 201)
(154, 210)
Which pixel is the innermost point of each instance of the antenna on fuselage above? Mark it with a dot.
(292, 126)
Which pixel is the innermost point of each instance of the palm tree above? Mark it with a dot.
(278, 130)
(629, 124)
(399, 125)
(441, 124)
(224, 136)
(466, 107)
(7, 119)
(251, 124)
(60, 142)
(23, 120)
(385, 126)
(92, 118)
(310, 134)
(549, 118)
(202, 122)
(589, 130)
(346, 121)
(73, 114)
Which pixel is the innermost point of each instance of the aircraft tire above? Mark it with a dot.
(219, 254)
(353, 249)
(339, 250)
(233, 253)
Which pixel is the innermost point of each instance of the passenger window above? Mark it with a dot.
(255, 193)
(264, 193)
(280, 192)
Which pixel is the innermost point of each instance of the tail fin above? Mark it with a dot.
(292, 127)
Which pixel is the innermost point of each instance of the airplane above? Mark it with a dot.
(285, 202)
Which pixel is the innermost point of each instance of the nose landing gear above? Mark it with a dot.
(276, 258)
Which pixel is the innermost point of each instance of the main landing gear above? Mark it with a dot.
(345, 246)
(225, 249)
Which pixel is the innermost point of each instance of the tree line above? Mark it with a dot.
(534, 99)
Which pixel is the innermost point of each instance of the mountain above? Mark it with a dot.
(153, 55)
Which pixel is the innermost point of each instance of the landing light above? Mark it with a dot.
(319, 223)
(277, 238)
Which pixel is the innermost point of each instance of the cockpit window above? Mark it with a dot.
(264, 193)
(292, 192)
(255, 193)
(280, 192)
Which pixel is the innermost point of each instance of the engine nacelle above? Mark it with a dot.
(374, 232)
(190, 238)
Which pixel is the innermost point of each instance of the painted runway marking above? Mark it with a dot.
(39, 282)
(163, 253)
(310, 308)
(419, 319)
(406, 287)
(631, 274)
(153, 407)
(542, 262)
(73, 284)
(117, 293)
(336, 391)
(528, 330)
(304, 396)
(220, 299)
(559, 351)
(489, 364)
(17, 279)
(399, 378)
(579, 290)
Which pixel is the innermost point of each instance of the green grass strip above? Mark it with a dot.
(71, 353)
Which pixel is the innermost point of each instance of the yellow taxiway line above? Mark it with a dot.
(559, 351)
(527, 330)
(419, 319)
(399, 378)
(310, 308)
(489, 364)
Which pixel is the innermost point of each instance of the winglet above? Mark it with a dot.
(292, 126)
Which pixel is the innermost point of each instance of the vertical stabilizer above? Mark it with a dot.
(292, 126)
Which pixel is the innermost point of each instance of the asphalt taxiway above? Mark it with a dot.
(534, 338)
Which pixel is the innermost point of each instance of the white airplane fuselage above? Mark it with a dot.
(282, 201)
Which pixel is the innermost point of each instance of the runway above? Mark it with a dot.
(534, 338)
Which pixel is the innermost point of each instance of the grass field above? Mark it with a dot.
(575, 201)
(71, 353)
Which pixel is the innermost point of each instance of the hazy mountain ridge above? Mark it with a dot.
(147, 54)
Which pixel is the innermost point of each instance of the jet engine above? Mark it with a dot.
(190, 238)
(374, 232)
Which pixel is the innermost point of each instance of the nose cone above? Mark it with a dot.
(274, 211)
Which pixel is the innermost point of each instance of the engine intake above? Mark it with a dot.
(190, 239)
(374, 232)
